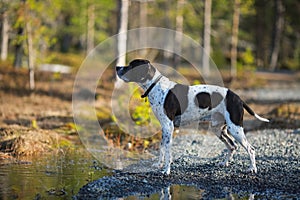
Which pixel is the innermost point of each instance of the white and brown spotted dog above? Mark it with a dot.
(175, 104)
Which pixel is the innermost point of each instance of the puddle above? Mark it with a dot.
(173, 192)
(61, 177)
(56, 177)
(185, 192)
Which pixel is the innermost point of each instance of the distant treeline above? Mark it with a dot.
(262, 33)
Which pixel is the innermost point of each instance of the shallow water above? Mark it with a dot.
(62, 175)
(178, 192)
(173, 192)
(59, 176)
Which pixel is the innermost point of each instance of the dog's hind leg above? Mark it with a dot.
(228, 140)
(220, 129)
(234, 120)
(238, 133)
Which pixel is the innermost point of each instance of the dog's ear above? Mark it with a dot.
(151, 71)
(138, 62)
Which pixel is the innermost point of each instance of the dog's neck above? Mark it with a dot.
(148, 83)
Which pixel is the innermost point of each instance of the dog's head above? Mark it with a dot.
(138, 70)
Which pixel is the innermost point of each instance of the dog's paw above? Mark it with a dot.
(158, 165)
(224, 163)
(252, 170)
(166, 171)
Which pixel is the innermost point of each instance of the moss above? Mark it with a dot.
(21, 141)
(69, 59)
(63, 143)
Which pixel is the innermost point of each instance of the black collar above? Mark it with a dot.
(151, 86)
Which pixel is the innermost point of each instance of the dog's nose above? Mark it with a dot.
(120, 70)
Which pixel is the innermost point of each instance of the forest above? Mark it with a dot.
(257, 33)
(67, 133)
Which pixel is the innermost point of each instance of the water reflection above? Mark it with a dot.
(59, 176)
(177, 192)
(165, 194)
(62, 175)
(180, 192)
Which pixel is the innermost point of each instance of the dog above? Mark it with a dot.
(175, 104)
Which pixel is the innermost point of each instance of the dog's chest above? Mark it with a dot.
(158, 95)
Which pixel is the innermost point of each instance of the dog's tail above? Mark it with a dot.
(251, 112)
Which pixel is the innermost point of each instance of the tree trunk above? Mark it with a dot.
(278, 29)
(29, 42)
(260, 34)
(90, 27)
(143, 13)
(122, 33)
(122, 36)
(31, 54)
(234, 37)
(66, 37)
(297, 49)
(5, 36)
(206, 37)
(167, 22)
(18, 49)
(143, 23)
(178, 35)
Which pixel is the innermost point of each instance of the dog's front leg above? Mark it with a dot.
(160, 162)
(166, 145)
(165, 157)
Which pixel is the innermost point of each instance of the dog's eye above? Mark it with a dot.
(142, 79)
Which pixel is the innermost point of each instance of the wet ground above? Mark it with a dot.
(196, 158)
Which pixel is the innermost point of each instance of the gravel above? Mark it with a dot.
(195, 163)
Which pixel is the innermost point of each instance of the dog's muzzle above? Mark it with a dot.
(120, 72)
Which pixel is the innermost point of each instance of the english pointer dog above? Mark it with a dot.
(175, 104)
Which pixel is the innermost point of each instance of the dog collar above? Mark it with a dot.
(151, 86)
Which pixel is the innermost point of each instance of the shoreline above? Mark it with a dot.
(278, 158)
